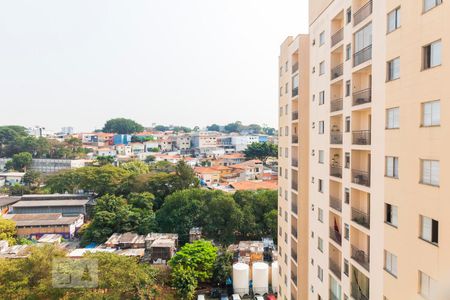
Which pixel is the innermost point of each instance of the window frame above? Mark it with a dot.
(427, 56)
(423, 116)
(397, 20)
(390, 70)
(395, 118)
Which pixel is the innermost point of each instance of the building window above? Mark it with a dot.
(347, 160)
(432, 55)
(286, 131)
(286, 66)
(346, 267)
(322, 68)
(322, 38)
(391, 214)
(280, 189)
(320, 273)
(286, 88)
(348, 51)
(321, 127)
(428, 286)
(321, 156)
(286, 195)
(347, 88)
(322, 97)
(281, 91)
(320, 185)
(392, 166)
(430, 172)
(347, 232)
(429, 4)
(285, 216)
(286, 109)
(347, 124)
(286, 173)
(349, 15)
(393, 20)
(280, 211)
(429, 230)
(393, 118)
(286, 152)
(431, 113)
(347, 195)
(393, 69)
(390, 263)
(281, 111)
(320, 215)
(280, 231)
(320, 244)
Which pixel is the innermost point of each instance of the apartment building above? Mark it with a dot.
(293, 167)
(377, 163)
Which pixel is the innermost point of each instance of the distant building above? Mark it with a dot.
(68, 206)
(126, 241)
(55, 165)
(6, 202)
(67, 130)
(160, 247)
(11, 178)
(124, 139)
(241, 142)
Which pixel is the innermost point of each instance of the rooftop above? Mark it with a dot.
(53, 203)
(38, 220)
(254, 185)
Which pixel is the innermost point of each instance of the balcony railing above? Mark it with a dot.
(361, 137)
(361, 218)
(336, 171)
(295, 115)
(358, 293)
(337, 71)
(337, 37)
(362, 13)
(294, 207)
(361, 177)
(295, 67)
(294, 255)
(362, 56)
(294, 186)
(295, 162)
(361, 257)
(294, 139)
(295, 92)
(333, 296)
(336, 203)
(294, 278)
(335, 268)
(294, 232)
(336, 105)
(362, 97)
(336, 138)
(335, 235)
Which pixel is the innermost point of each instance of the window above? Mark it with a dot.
(432, 55)
(286, 131)
(347, 232)
(363, 38)
(393, 118)
(286, 195)
(348, 52)
(286, 173)
(429, 4)
(281, 174)
(431, 113)
(320, 215)
(320, 244)
(280, 189)
(428, 286)
(347, 124)
(393, 69)
(286, 66)
(347, 88)
(322, 68)
(346, 267)
(390, 263)
(281, 91)
(286, 109)
(321, 127)
(347, 195)
(286, 152)
(391, 214)
(280, 211)
(313, 98)
(392, 166)
(321, 156)
(429, 230)
(320, 273)
(393, 20)
(285, 216)
(349, 15)
(430, 172)
(322, 38)
(280, 231)
(322, 97)
(347, 160)
(286, 87)
(281, 111)
(321, 185)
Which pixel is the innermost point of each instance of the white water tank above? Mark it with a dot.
(260, 278)
(241, 279)
(275, 277)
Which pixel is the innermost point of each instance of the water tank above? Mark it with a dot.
(260, 278)
(275, 277)
(241, 279)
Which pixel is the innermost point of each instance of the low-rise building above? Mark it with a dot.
(45, 204)
(6, 202)
(11, 178)
(126, 241)
(160, 247)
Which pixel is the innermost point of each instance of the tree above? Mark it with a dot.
(21, 161)
(261, 151)
(213, 127)
(254, 128)
(8, 231)
(161, 128)
(135, 167)
(185, 176)
(122, 126)
(104, 160)
(184, 282)
(32, 178)
(223, 267)
(150, 158)
(233, 127)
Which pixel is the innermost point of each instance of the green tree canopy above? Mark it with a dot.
(223, 267)
(234, 127)
(213, 127)
(261, 151)
(8, 231)
(21, 161)
(184, 281)
(122, 126)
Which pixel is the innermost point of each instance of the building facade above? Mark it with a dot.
(377, 165)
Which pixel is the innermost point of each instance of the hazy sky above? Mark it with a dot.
(188, 62)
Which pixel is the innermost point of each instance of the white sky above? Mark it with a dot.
(185, 62)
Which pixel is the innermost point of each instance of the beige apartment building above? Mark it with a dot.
(377, 209)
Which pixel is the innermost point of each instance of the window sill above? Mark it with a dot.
(392, 128)
(390, 273)
(429, 126)
(394, 30)
(391, 177)
(426, 11)
(428, 242)
(392, 225)
(392, 80)
(430, 68)
(429, 184)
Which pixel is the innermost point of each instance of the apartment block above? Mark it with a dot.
(293, 167)
(377, 208)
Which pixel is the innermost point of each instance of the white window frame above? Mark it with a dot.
(428, 286)
(432, 55)
(430, 4)
(393, 118)
(430, 171)
(393, 69)
(391, 263)
(431, 113)
(392, 163)
(393, 20)
(322, 68)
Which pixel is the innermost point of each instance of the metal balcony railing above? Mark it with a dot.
(295, 115)
(294, 232)
(337, 71)
(294, 255)
(336, 138)
(335, 268)
(336, 171)
(362, 97)
(336, 105)
(362, 56)
(362, 13)
(294, 139)
(335, 236)
(358, 293)
(361, 137)
(295, 67)
(337, 37)
(361, 257)
(336, 203)
(294, 207)
(361, 218)
(295, 92)
(294, 186)
(295, 162)
(361, 177)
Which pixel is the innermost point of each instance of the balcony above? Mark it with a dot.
(358, 293)
(295, 115)
(361, 218)
(295, 92)
(294, 255)
(294, 186)
(294, 232)
(336, 105)
(335, 235)
(362, 13)
(295, 162)
(294, 139)
(336, 138)
(362, 56)
(294, 207)
(333, 296)
(337, 37)
(335, 268)
(361, 137)
(294, 278)
(361, 177)
(361, 257)
(337, 71)
(336, 171)
(362, 97)
(336, 203)
(294, 67)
